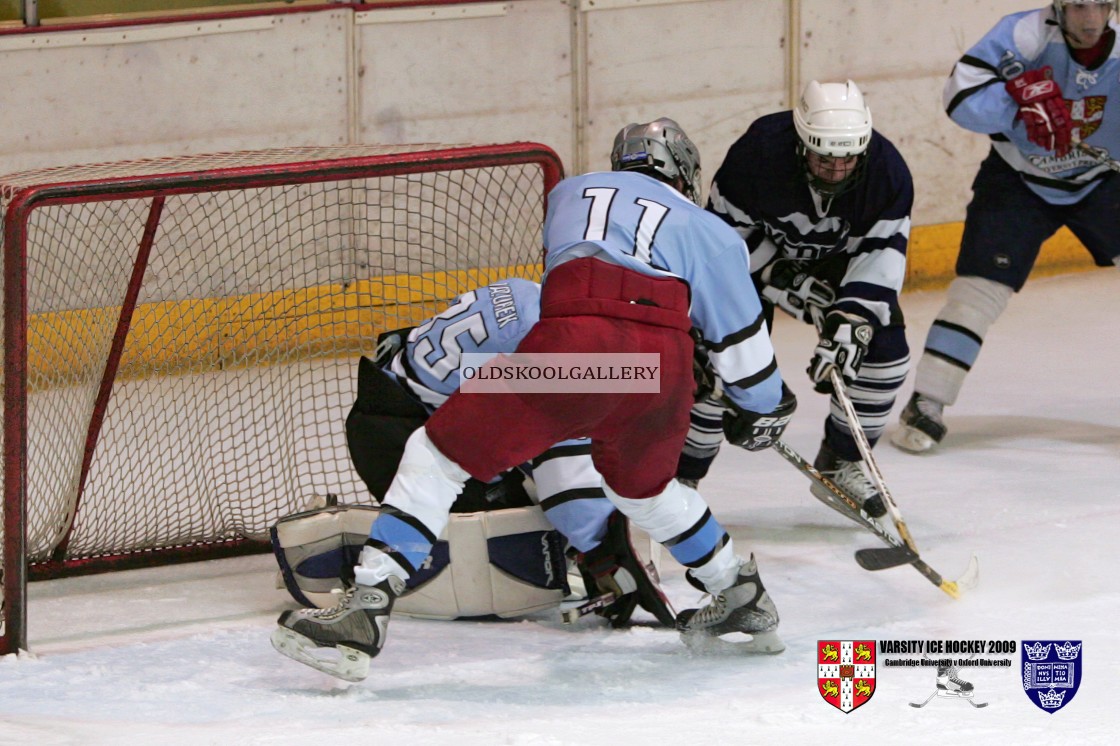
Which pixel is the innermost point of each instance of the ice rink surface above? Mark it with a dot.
(1028, 480)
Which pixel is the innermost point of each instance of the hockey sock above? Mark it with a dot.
(954, 340)
(680, 520)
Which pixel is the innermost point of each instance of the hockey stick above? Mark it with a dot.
(895, 553)
(923, 704)
(863, 444)
(1100, 155)
(588, 606)
(868, 460)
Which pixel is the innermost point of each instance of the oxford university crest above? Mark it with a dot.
(1051, 672)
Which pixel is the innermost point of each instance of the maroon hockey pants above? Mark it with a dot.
(588, 306)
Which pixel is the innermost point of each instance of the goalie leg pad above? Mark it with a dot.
(503, 563)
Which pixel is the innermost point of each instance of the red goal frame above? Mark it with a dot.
(183, 175)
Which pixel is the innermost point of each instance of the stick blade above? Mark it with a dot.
(884, 558)
(971, 577)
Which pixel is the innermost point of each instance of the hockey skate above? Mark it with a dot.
(951, 686)
(616, 572)
(340, 640)
(920, 426)
(745, 608)
(848, 476)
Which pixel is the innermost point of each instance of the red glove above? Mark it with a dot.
(1042, 109)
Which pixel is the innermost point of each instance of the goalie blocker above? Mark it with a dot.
(506, 563)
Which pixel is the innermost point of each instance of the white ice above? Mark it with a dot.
(1027, 480)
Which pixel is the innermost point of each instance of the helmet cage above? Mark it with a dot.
(661, 149)
(827, 188)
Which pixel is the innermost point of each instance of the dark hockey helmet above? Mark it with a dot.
(834, 124)
(661, 149)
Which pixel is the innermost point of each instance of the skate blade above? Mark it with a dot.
(761, 643)
(912, 440)
(946, 694)
(342, 662)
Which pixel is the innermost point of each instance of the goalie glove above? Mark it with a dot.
(788, 285)
(614, 568)
(1042, 109)
(755, 431)
(844, 338)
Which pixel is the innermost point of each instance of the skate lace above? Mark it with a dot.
(851, 478)
(955, 678)
(929, 408)
(343, 604)
(713, 613)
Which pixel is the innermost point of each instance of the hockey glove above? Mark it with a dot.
(790, 287)
(1042, 109)
(703, 374)
(614, 568)
(844, 338)
(755, 431)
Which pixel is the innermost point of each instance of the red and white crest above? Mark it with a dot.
(846, 672)
(1086, 114)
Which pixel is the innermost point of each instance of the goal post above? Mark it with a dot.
(180, 335)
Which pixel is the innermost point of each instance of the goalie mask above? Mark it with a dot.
(834, 128)
(661, 149)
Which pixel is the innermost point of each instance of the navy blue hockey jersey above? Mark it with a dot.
(761, 191)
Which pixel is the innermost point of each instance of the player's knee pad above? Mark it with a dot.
(503, 563)
(954, 339)
(426, 484)
(974, 303)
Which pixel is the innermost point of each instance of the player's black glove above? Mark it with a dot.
(703, 375)
(844, 338)
(614, 568)
(790, 287)
(755, 431)
(389, 344)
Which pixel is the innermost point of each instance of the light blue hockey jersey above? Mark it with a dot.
(638, 222)
(975, 98)
(492, 319)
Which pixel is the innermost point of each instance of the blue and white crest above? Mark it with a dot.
(1051, 672)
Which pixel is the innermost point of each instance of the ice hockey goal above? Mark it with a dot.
(180, 334)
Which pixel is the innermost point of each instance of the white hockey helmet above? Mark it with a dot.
(832, 120)
(1058, 5)
(661, 149)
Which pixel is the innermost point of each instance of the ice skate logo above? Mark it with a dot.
(1051, 672)
(846, 672)
(950, 685)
